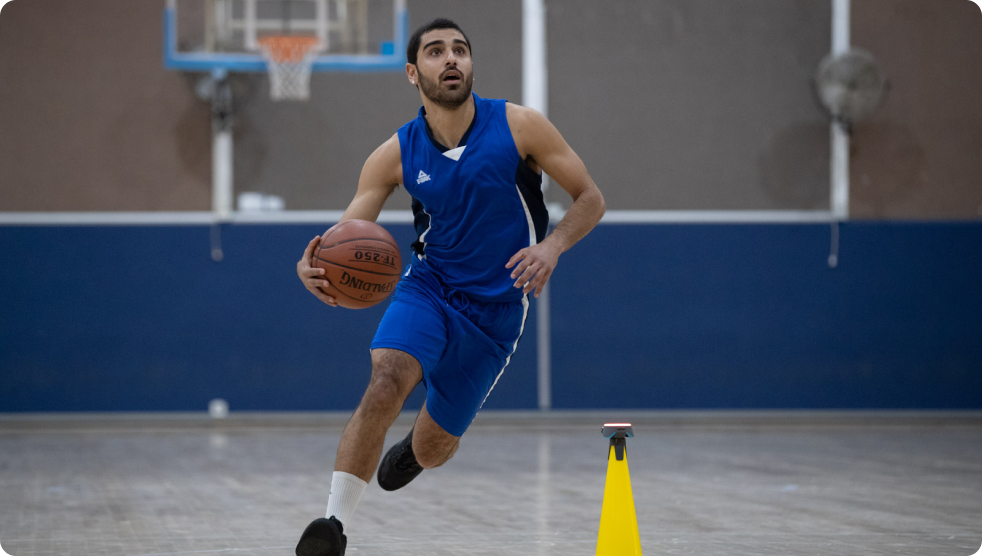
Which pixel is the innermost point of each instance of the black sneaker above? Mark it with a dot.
(399, 466)
(323, 537)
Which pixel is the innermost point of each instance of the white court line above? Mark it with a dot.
(389, 217)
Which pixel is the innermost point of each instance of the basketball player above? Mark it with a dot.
(473, 167)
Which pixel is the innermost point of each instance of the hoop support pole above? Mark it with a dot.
(221, 173)
(221, 147)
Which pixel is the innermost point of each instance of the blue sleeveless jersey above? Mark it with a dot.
(475, 206)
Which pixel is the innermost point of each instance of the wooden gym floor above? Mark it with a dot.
(705, 484)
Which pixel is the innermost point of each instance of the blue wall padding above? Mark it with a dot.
(751, 316)
(141, 318)
(643, 316)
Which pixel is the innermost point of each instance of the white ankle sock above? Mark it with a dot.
(346, 491)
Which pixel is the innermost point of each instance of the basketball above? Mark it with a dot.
(361, 261)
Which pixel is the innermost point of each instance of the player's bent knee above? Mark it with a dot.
(396, 365)
(386, 390)
(394, 375)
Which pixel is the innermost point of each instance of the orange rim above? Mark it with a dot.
(289, 49)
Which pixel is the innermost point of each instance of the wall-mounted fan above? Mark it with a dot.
(850, 86)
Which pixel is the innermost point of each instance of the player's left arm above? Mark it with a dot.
(540, 144)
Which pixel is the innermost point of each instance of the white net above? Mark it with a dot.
(289, 59)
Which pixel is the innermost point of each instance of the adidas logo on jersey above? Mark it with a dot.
(422, 177)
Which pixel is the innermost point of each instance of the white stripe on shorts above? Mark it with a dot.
(525, 314)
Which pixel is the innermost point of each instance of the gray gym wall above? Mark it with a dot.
(673, 104)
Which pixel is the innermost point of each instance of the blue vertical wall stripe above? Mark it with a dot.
(644, 316)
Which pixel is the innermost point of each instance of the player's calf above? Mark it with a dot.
(432, 445)
(394, 375)
(425, 447)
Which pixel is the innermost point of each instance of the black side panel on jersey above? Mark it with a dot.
(421, 221)
(530, 185)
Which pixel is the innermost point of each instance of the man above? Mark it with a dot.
(473, 167)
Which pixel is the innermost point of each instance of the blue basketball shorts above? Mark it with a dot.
(462, 344)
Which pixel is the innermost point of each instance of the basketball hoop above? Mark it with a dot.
(289, 59)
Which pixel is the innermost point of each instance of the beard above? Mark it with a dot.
(443, 95)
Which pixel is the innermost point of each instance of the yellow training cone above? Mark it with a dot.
(618, 521)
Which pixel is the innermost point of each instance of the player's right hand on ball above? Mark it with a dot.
(312, 277)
